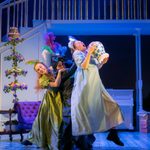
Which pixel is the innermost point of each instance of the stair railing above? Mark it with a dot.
(21, 13)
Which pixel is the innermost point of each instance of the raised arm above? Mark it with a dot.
(57, 81)
(86, 61)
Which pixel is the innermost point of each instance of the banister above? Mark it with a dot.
(18, 11)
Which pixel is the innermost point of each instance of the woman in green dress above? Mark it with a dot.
(45, 129)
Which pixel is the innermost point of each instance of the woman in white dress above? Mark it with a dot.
(92, 108)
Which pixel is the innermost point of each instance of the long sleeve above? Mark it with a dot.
(69, 73)
(78, 57)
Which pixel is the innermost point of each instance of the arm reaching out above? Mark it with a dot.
(57, 81)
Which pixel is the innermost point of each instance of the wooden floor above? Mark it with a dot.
(132, 141)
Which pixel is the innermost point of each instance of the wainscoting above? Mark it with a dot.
(124, 97)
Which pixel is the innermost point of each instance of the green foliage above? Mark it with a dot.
(15, 57)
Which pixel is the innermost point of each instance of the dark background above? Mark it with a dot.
(120, 71)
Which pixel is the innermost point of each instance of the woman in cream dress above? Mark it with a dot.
(92, 108)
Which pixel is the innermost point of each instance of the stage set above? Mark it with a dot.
(123, 27)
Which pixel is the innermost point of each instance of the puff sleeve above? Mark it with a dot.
(78, 57)
(44, 81)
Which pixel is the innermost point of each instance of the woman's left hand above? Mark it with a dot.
(104, 58)
(62, 70)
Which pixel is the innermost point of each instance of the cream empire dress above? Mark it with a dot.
(92, 108)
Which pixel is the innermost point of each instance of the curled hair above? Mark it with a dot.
(55, 60)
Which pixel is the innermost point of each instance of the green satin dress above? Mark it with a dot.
(45, 129)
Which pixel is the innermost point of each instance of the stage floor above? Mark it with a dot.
(132, 141)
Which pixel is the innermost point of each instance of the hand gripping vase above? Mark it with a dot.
(99, 53)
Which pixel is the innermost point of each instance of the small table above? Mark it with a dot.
(10, 132)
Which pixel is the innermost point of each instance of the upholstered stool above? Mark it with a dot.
(27, 112)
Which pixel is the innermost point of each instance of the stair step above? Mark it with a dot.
(2, 47)
(23, 30)
(37, 22)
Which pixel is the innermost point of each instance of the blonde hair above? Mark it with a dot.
(49, 74)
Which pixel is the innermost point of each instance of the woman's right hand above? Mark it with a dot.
(91, 47)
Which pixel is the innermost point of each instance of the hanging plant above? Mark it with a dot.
(15, 57)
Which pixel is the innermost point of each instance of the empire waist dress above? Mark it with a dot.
(92, 108)
(45, 129)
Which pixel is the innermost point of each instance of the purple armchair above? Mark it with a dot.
(27, 112)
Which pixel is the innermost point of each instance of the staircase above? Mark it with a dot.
(22, 13)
